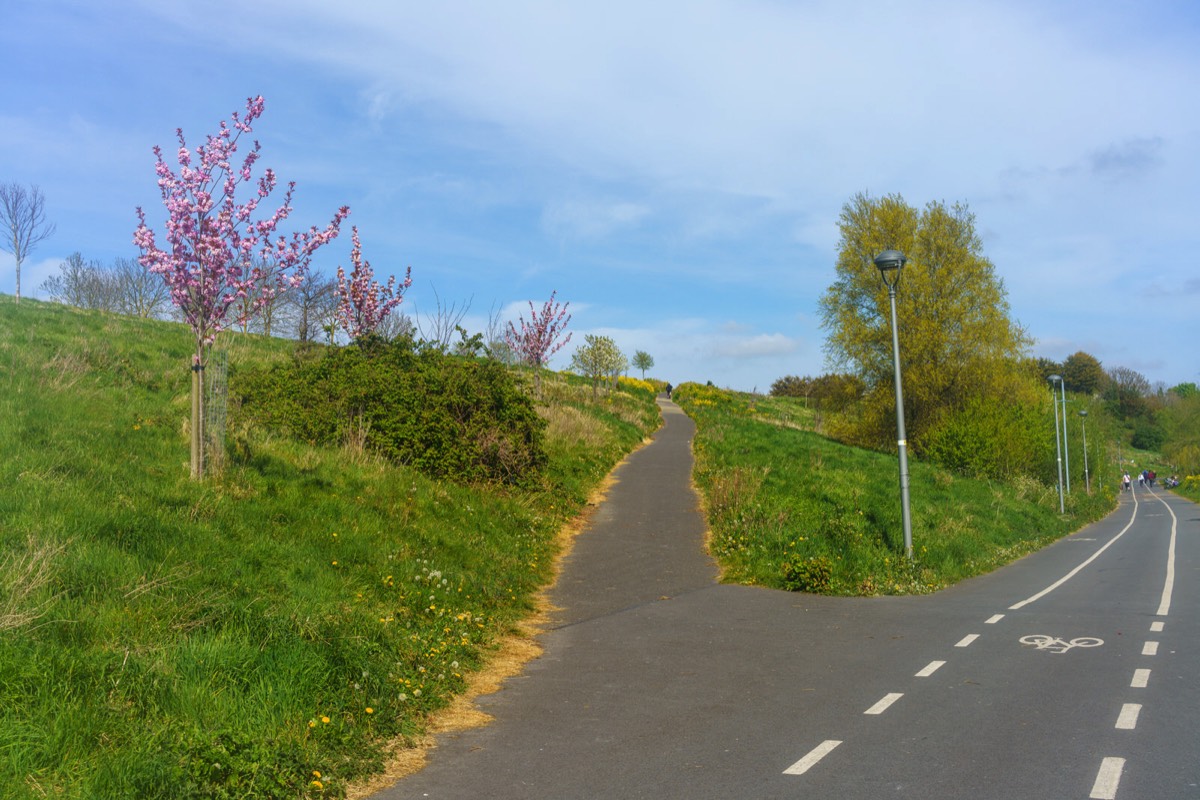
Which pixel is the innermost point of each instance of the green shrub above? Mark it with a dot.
(814, 574)
(447, 416)
(990, 438)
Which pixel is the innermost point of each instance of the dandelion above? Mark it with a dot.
(316, 773)
(370, 710)
(335, 563)
(317, 785)
(325, 720)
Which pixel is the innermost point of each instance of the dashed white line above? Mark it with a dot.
(1150, 649)
(1127, 720)
(931, 668)
(884, 704)
(1141, 677)
(816, 754)
(1156, 627)
(992, 620)
(1107, 780)
(966, 640)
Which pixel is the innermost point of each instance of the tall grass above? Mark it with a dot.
(263, 633)
(792, 509)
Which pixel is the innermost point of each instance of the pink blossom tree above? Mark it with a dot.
(216, 254)
(539, 339)
(363, 303)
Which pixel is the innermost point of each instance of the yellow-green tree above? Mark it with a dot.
(958, 343)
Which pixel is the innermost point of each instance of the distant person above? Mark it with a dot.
(1127, 482)
(669, 388)
(1152, 476)
(1141, 479)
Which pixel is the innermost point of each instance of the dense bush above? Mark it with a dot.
(450, 417)
(992, 438)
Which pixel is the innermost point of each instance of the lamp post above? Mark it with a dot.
(1066, 440)
(1057, 446)
(889, 263)
(1083, 426)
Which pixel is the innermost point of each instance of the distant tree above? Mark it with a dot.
(363, 303)
(1082, 373)
(957, 339)
(792, 386)
(83, 284)
(598, 358)
(437, 328)
(212, 241)
(1046, 367)
(140, 293)
(541, 337)
(1127, 392)
(312, 305)
(643, 361)
(23, 223)
(1185, 390)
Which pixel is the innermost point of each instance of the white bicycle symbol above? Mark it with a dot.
(1055, 645)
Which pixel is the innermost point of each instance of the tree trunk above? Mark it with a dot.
(198, 414)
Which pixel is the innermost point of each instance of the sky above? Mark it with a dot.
(672, 170)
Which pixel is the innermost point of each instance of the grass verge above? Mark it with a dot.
(791, 509)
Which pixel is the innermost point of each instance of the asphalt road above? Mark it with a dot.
(1071, 673)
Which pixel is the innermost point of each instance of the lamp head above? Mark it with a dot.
(889, 263)
(1054, 378)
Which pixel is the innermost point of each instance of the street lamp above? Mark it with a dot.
(1057, 446)
(889, 263)
(1066, 439)
(1083, 425)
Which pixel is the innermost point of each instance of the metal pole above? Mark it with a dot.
(900, 437)
(1058, 451)
(1066, 440)
(1086, 475)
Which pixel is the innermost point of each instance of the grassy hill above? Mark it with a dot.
(792, 509)
(266, 632)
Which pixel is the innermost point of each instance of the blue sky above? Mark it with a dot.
(674, 170)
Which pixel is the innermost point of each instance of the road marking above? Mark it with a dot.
(933, 667)
(1107, 780)
(1076, 571)
(1150, 649)
(992, 620)
(1127, 720)
(884, 704)
(966, 640)
(816, 754)
(1156, 627)
(1164, 606)
(1141, 677)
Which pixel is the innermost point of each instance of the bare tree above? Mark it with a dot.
(83, 284)
(438, 328)
(140, 293)
(23, 220)
(311, 305)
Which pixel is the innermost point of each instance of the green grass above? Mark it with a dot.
(290, 615)
(791, 509)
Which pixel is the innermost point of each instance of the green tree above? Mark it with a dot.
(1127, 391)
(598, 358)
(643, 361)
(1082, 373)
(957, 341)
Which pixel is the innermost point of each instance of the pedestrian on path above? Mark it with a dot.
(1127, 481)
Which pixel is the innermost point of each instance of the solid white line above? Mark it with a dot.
(992, 620)
(1150, 649)
(966, 640)
(1127, 721)
(816, 754)
(1141, 677)
(884, 704)
(1164, 605)
(932, 667)
(1075, 571)
(1156, 627)
(1107, 780)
